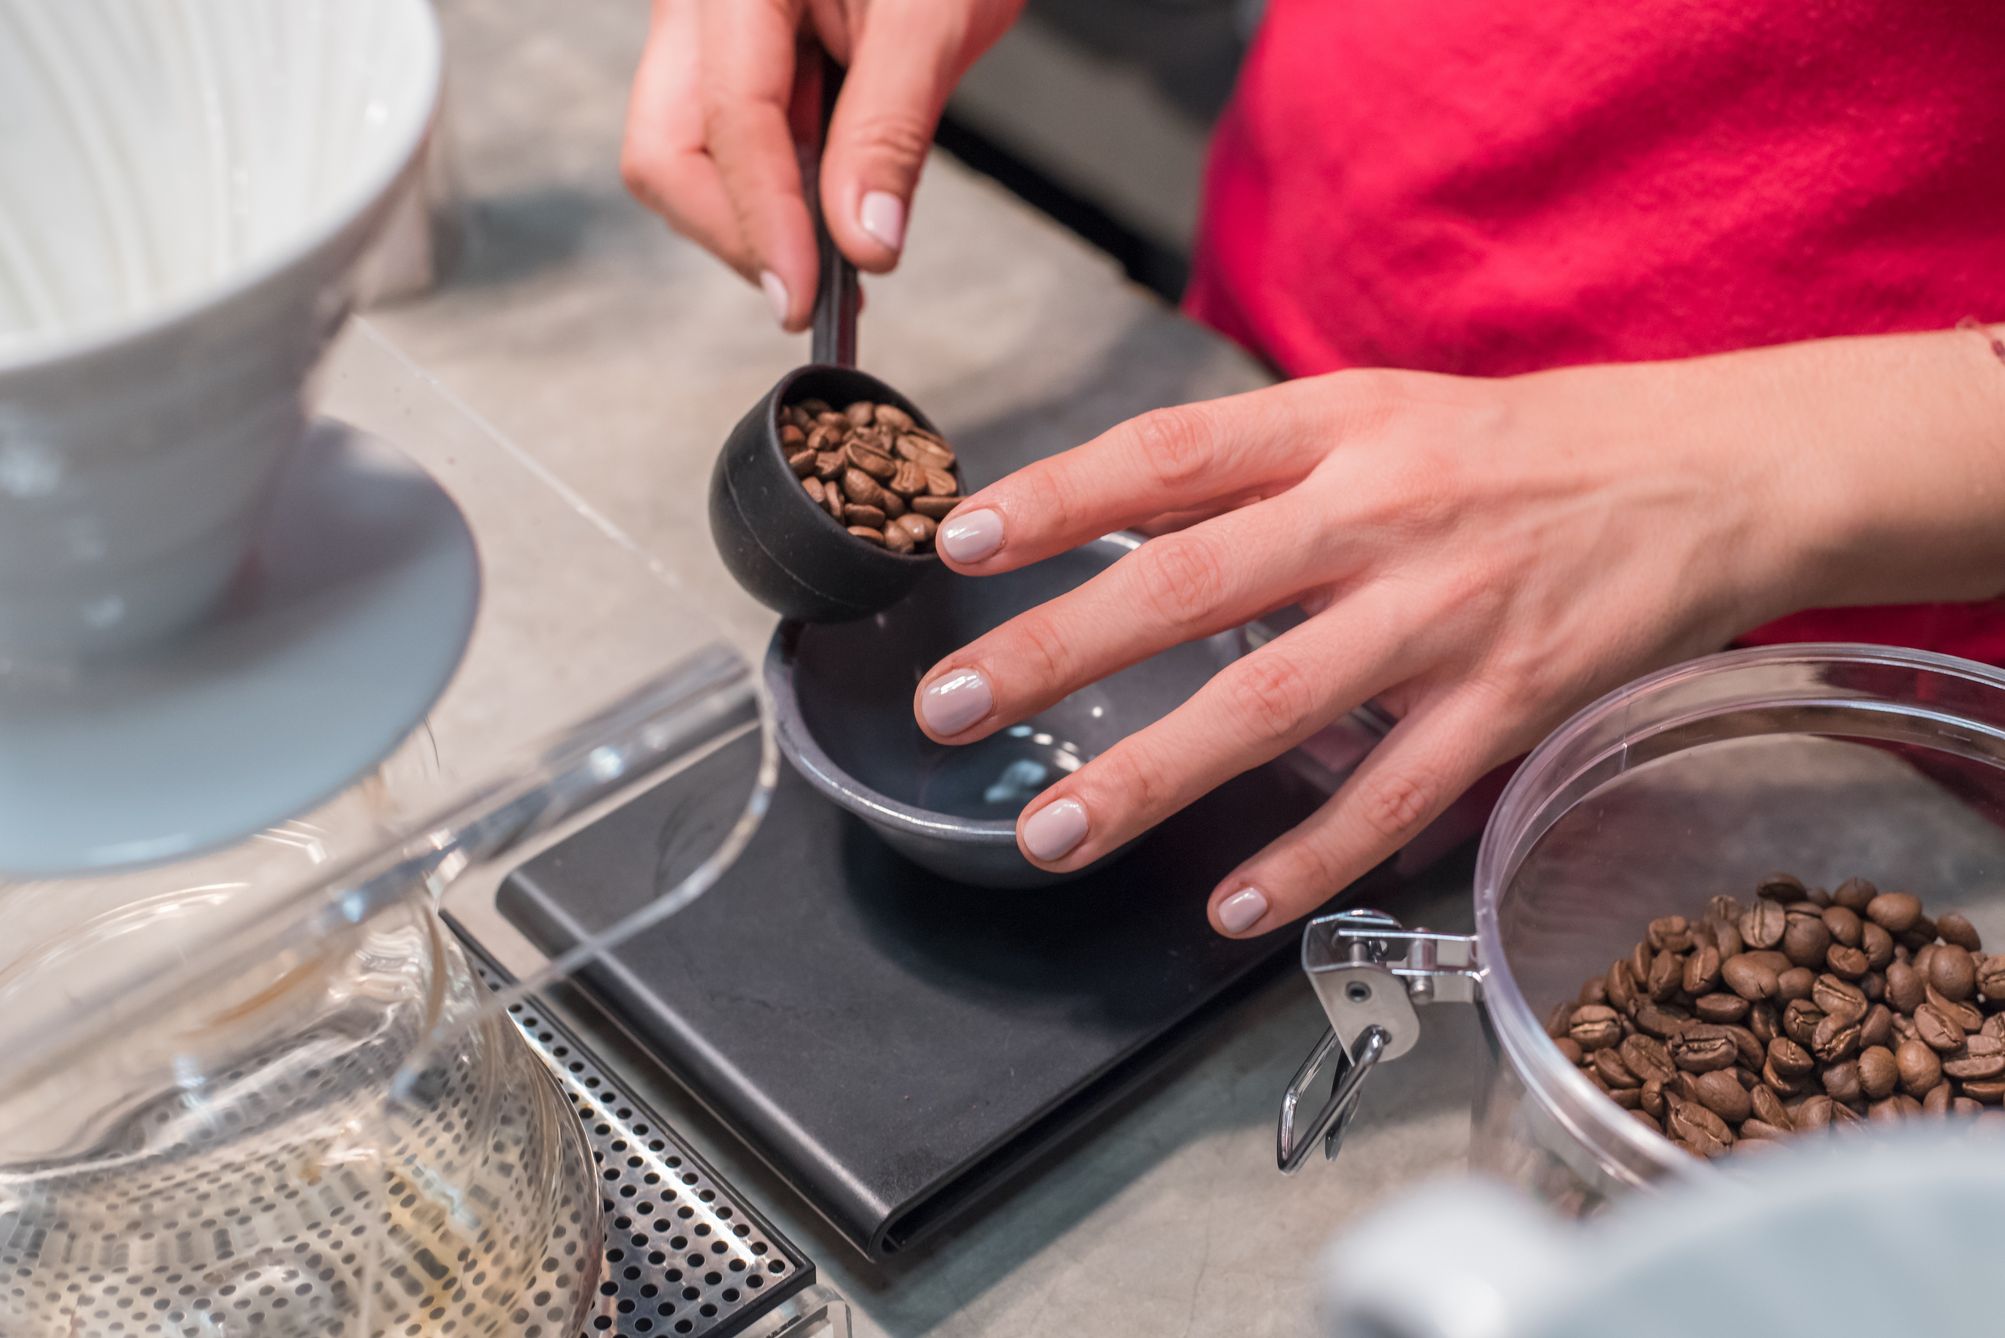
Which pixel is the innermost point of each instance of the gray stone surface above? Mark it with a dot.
(619, 357)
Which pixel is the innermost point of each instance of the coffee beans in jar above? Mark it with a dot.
(1796, 1011)
(884, 478)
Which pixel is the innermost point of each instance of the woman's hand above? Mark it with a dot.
(1480, 557)
(716, 110)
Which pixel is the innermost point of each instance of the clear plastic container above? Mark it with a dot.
(258, 1089)
(1825, 761)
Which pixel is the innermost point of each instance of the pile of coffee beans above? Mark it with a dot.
(884, 477)
(1803, 1011)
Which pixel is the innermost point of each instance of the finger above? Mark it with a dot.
(907, 57)
(1179, 588)
(662, 157)
(1253, 711)
(1167, 460)
(1170, 522)
(1429, 758)
(749, 61)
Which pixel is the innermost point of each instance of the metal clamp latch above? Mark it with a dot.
(1369, 971)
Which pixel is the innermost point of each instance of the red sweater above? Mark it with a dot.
(1489, 187)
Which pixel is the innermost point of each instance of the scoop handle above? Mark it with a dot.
(836, 291)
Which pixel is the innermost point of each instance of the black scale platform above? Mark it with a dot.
(894, 1044)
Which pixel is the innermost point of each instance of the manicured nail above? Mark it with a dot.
(1051, 832)
(956, 701)
(1242, 910)
(882, 215)
(972, 536)
(776, 293)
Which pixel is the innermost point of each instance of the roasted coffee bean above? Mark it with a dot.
(1784, 887)
(1841, 1080)
(1647, 1058)
(1937, 1030)
(1986, 1091)
(859, 487)
(1834, 1039)
(1722, 1007)
(1648, 1120)
(1750, 979)
(1812, 1114)
(1806, 940)
(1595, 1027)
(1843, 924)
(1788, 1058)
(1748, 1047)
(813, 408)
(1782, 1082)
(1873, 985)
(1965, 1107)
(922, 452)
(1994, 1027)
(1620, 983)
(1703, 1047)
(814, 490)
(1558, 1019)
(1877, 1027)
(1629, 1098)
(1904, 1028)
(873, 463)
(1920, 1067)
(939, 483)
(1953, 972)
(908, 479)
(868, 535)
(1692, 1122)
(1653, 1097)
(1762, 925)
(1726, 935)
(867, 516)
(1921, 957)
(1768, 1108)
(1721, 1093)
(1668, 933)
(1844, 1116)
(1702, 969)
(1894, 912)
(1956, 929)
(1854, 894)
(1936, 1100)
(1663, 1023)
(1920, 932)
(1771, 958)
(1756, 1134)
(1667, 974)
(1794, 984)
(1966, 1015)
(1847, 963)
(802, 462)
(1886, 1110)
(1800, 1019)
(1878, 1074)
(1877, 944)
(1904, 987)
(1723, 907)
(1608, 1063)
(1839, 998)
(1764, 1021)
(1991, 978)
(935, 508)
(1570, 1049)
(1594, 991)
(1981, 1057)
(828, 465)
(920, 528)
(1639, 963)
(897, 540)
(831, 500)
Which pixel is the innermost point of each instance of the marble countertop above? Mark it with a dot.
(620, 356)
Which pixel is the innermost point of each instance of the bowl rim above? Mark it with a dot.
(363, 194)
(801, 748)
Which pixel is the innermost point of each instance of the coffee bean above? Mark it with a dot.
(867, 516)
(1702, 969)
(1805, 940)
(828, 465)
(897, 540)
(1663, 1023)
(1647, 1058)
(1593, 992)
(908, 479)
(1639, 963)
(1621, 985)
(920, 528)
(813, 407)
(1800, 1019)
(1843, 924)
(1609, 1066)
(1703, 1047)
(1721, 1007)
(1767, 1108)
(1784, 887)
(1877, 1027)
(1758, 1134)
(1885, 1111)
(814, 490)
(1770, 958)
(1904, 987)
(1839, 998)
(802, 462)
(1878, 1074)
(939, 483)
(1894, 911)
(1967, 1106)
(1794, 984)
(1691, 1122)
(1854, 894)
(1981, 1057)
(1570, 1049)
(1764, 1021)
(1763, 924)
(1937, 1030)
(1669, 933)
(1667, 974)
(1648, 1120)
(1841, 1080)
(1652, 1099)
(1994, 1027)
(1874, 986)
(868, 535)
(894, 505)
(1788, 1058)
(1834, 1039)
(1721, 1093)
(1920, 932)
(1558, 1018)
(1748, 1047)
(1965, 1015)
(1991, 978)
(1781, 1082)
(935, 508)
(1936, 1100)
(1956, 929)
(1920, 1068)
(878, 466)
(859, 487)
(1726, 933)
(1812, 1114)
(923, 453)
(1629, 1098)
(1877, 944)
(1847, 963)
(1986, 1091)
(1750, 979)
(1952, 972)
(831, 500)
(861, 413)
(1844, 1116)
(1595, 1027)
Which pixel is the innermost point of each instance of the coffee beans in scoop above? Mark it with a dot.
(1798, 1011)
(877, 473)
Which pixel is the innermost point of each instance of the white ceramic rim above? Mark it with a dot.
(361, 196)
(1556, 1086)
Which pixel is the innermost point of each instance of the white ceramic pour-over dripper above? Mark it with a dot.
(1852, 1236)
(186, 188)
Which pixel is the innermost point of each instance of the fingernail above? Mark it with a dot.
(1051, 832)
(956, 701)
(776, 293)
(971, 537)
(882, 215)
(1242, 910)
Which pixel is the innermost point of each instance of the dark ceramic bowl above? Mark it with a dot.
(788, 553)
(842, 696)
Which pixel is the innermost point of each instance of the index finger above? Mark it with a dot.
(1167, 460)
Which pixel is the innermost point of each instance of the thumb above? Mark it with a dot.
(903, 67)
